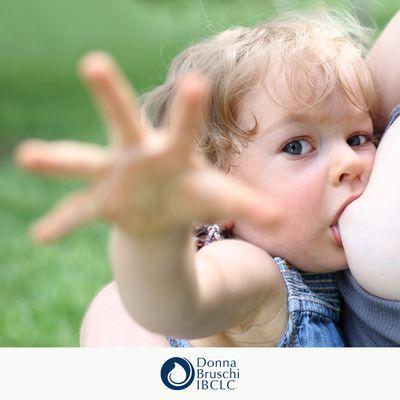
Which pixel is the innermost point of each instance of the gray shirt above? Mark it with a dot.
(368, 321)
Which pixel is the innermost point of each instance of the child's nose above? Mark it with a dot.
(346, 165)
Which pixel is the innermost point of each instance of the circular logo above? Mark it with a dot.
(177, 373)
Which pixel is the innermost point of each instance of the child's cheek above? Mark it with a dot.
(369, 164)
(304, 204)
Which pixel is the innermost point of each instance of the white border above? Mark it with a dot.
(121, 373)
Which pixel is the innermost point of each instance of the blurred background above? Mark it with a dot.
(44, 291)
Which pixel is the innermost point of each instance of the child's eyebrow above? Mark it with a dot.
(285, 120)
(292, 118)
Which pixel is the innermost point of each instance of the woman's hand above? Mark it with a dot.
(149, 181)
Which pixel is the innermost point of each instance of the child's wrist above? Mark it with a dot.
(169, 236)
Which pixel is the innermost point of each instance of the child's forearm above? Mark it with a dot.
(370, 226)
(157, 279)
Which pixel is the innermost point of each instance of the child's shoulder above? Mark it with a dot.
(248, 266)
(219, 246)
(243, 259)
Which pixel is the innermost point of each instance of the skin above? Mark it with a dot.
(229, 283)
(383, 61)
(133, 185)
(142, 169)
(105, 314)
(335, 159)
(327, 153)
(373, 219)
(376, 267)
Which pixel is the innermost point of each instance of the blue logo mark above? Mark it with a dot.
(177, 373)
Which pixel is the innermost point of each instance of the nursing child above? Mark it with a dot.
(265, 135)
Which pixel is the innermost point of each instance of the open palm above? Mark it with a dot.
(148, 181)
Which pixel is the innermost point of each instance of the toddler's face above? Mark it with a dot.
(313, 163)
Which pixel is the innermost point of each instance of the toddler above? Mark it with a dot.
(264, 132)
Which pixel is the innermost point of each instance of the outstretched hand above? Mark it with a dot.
(148, 181)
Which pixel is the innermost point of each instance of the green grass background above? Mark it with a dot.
(44, 291)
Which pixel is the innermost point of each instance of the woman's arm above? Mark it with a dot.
(384, 62)
(107, 323)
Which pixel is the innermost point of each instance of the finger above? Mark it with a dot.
(71, 213)
(114, 97)
(63, 158)
(188, 113)
(215, 195)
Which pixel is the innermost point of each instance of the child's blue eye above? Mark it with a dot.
(297, 147)
(358, 140)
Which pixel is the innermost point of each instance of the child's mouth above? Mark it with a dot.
(335, 225)
(336, 235)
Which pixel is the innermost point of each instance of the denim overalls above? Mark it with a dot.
(314, 304)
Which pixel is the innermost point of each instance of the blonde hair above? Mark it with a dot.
(313, 51)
